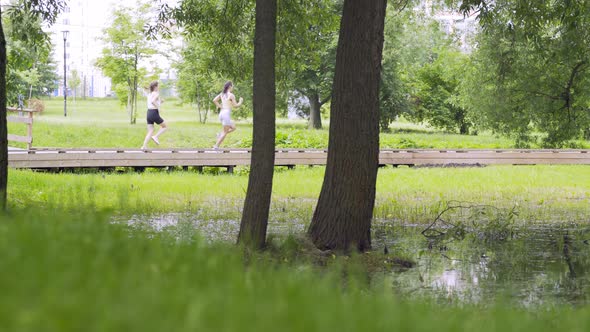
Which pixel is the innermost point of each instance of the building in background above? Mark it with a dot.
(462, 27)
(85, 20)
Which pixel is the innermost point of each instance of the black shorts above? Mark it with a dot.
(153, 116)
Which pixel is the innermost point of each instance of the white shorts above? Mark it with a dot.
(224, 117)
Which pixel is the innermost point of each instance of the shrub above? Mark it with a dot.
(36, 104)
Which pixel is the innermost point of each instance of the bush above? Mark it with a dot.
(36, 104)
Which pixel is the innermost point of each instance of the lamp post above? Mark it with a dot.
(65, 34)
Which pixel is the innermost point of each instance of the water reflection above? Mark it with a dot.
(539, 265)
(536, 265)
(211, 229)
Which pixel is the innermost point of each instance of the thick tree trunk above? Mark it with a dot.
(256, 206)
(342, 219)
(315, 119)
(3, 128)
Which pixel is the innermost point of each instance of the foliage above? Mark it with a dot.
(226, 28)
(102, 123)
(218, 46)
(219, 37)
(127, 46)
(437, 100)
(412, 40)
(30, 70)
(196, 83)
(393, 92)
(531, 71)
(307, 37)
(74, 82)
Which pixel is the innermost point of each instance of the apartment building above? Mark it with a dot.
(84, 21)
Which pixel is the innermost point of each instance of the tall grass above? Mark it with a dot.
(548, 193)
(77, 272)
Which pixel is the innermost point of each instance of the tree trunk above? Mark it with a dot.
(342, 219)
(257, 203)
(464, 128)
(134, 96)
(315, 119)
(134, 89)
(3, 128)
(129, 105)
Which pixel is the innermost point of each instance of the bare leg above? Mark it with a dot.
(150, 131)
(163, 128)
(221, 137)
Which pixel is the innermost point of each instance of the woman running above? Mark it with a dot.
(153, 115)
(228, 101)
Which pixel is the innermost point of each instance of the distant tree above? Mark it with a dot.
(531, 70)
(307, 37)
(306, 40)
(127, 46)
(196, 83)
(48, 11)
(48, 77)
(218, 47)
(393, 93)
(28, 53)
(224, 30)
(74, 81)
(437, 98)
(412, 41)
(342, 218)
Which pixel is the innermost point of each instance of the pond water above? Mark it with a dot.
(536, 265)
(540, 264)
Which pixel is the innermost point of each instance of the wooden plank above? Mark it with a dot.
(505, 155)
(25, 110)
(19, 119)
(18, 138)
(64, 155)
(207, 157)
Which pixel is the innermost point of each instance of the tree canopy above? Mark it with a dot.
(530, 72)
(128, 46)
(30, 68)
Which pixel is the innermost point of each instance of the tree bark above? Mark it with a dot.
(134, 93)
(256, 206)
(3, 126)
(342, 218)
(315, 118)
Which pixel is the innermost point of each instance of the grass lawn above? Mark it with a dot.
(105, 123)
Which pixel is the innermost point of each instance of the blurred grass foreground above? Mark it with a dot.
(79, 272)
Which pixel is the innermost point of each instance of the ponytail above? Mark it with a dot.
(226, 87)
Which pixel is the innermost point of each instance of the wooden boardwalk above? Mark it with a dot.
(108, 158)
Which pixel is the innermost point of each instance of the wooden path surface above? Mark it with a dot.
(108, 158)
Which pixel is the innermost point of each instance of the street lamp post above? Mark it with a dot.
(65, 34)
